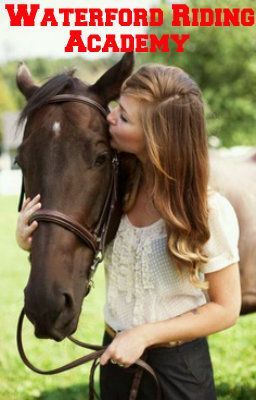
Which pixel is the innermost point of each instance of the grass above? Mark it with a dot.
(233, 351)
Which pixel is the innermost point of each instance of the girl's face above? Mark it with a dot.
(125, 129)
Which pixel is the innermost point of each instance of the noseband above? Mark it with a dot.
(95, 239)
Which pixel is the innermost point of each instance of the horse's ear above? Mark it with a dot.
(109, 84)
(25, 81)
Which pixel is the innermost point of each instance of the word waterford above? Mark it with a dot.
(180, 15)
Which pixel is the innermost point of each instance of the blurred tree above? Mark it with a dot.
(6, 99)
(222, 60)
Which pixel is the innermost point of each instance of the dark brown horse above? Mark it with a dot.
(65, 156)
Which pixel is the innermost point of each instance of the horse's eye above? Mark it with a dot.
(101, 159)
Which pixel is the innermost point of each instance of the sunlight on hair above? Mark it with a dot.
(173, 122)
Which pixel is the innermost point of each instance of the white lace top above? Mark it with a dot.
(143, 286)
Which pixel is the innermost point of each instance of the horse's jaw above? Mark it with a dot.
(53, 300)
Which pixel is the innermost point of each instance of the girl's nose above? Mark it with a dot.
(111, 118)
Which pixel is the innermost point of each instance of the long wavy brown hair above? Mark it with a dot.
(172, 117)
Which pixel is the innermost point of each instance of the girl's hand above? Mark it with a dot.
(126, 348)
(24, 230)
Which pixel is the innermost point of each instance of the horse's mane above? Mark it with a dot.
(56, 85)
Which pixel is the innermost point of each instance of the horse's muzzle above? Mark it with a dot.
(54, 317)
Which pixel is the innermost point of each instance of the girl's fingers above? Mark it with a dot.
(31, 211)
(34, 201)
(25, 203)
(31, 228)
(30, 203)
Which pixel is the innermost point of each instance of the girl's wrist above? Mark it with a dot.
(146, 332)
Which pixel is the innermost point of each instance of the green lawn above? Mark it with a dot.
(233, 351)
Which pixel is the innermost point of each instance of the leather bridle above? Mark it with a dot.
(96, 240)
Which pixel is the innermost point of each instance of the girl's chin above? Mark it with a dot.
(113, 144)
(116, 146)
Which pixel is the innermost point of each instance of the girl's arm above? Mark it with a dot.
(220, 313)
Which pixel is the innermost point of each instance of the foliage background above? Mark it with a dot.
(222, 61)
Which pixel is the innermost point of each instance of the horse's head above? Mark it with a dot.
(66, 157)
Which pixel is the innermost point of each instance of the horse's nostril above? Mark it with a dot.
(69, 302)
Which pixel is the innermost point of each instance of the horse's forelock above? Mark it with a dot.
(54, 86)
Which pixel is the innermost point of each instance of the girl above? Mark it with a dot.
(176, 241)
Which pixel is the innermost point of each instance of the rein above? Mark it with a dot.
(96, 240)
(94, 356)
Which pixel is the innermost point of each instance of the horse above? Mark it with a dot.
(65, 155)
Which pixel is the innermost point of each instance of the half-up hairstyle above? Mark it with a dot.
(172, 118)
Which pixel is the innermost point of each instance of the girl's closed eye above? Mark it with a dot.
(123, 118)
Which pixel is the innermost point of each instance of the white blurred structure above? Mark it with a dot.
(10, 178)
(10, 182)
(12, 135)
